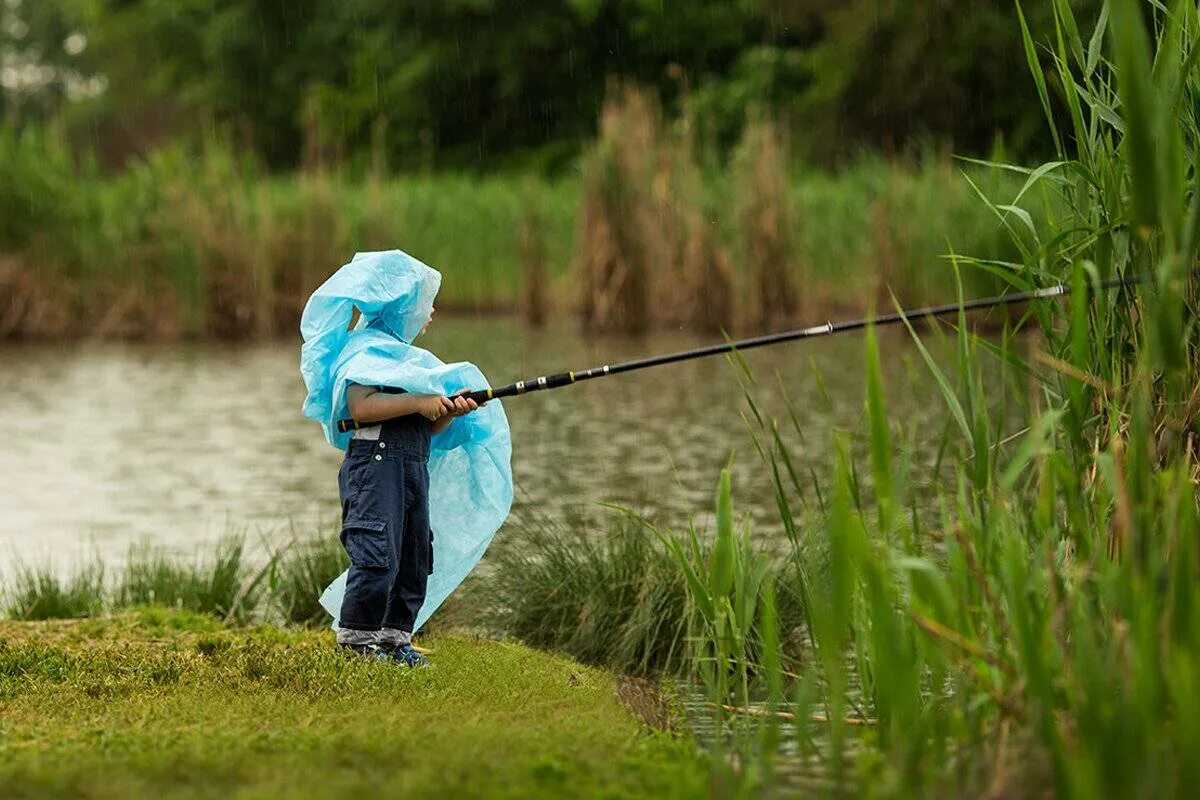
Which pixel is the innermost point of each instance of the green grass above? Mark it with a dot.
(169, 704)
(609, 597)
(227, 583)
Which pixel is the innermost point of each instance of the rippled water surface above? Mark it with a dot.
(106, 445)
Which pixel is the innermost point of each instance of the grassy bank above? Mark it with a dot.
(170, 704)
(207, 245)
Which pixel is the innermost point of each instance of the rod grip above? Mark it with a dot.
(478, 395)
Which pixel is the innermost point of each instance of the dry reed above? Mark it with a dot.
(766, 223)
(617, 221)
(646, 253)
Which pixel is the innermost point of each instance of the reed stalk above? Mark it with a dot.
(533, 268)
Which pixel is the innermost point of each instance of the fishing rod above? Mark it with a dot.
(828, 329)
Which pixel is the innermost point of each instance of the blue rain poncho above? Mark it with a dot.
(470, 472)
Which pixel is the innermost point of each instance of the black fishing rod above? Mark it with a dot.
(828, 329)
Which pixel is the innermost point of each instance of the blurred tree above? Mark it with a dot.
(484, 83)
(888, 73)
(44, 59)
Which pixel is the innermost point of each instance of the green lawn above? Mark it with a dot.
(159, 703)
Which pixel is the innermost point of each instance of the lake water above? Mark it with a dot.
(107, 445)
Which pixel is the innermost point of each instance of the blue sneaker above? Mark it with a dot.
(407, 655)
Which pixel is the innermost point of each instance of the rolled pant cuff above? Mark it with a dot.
(394, 637)
(353, 636)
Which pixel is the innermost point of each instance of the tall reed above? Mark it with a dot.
(764, 211)
(618, 236)
(698, 291)
(533, 268)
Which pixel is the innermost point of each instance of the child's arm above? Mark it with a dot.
(367, 405)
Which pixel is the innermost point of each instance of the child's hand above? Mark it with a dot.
(464, 405)
(433, 407)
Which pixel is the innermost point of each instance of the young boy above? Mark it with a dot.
(384, 487)
(414, 465)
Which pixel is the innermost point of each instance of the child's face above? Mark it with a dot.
(425, 327)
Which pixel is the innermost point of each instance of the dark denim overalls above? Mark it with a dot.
(384, 486)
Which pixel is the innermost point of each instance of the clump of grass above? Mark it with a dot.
(614, 596)
(299, 574)
(221, 585)
(41, 593)
(608, 597)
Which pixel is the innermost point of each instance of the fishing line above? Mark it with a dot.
(828, 329)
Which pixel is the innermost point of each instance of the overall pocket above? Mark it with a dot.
(366, 543)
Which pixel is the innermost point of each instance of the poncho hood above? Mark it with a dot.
(470, 473)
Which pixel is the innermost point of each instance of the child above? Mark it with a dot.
(413, 464)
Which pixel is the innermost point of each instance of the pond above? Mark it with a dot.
(107, 445)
